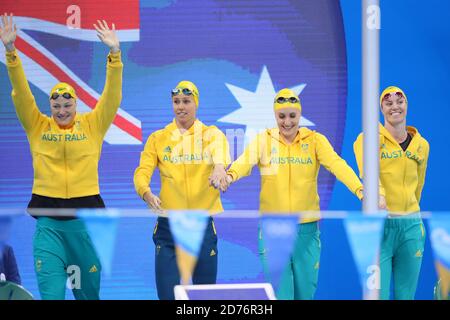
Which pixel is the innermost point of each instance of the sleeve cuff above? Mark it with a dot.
(359, 193)
(233, 175)
(12, 59)
(114, 58)
(143, 191)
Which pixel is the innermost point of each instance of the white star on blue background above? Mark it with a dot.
(256, 111)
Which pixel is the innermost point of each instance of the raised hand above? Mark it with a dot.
(108, 36)
(8, 32)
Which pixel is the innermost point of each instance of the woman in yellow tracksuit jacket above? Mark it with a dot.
(403, 163)
(189, 156)
(289, 159)
(65, 148)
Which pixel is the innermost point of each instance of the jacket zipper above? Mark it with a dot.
(65, 171)
(289, 179)
(405, 164)
(186, 186)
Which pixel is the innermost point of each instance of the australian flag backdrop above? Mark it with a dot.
(238, 53)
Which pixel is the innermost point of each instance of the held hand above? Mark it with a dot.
(8, 32)
(382, 203)
(217, 179)
(153, 202)
(223, 184)
(108, 36)
(381, 200)
(226, 182)
(360, 194)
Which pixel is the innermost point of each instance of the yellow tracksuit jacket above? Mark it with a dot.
(65, 161)
(402, 173)
(185, 162)
(289, 172)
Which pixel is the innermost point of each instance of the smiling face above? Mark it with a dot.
(394, 108)
(185, 109)
(287, 121)
(63, 111)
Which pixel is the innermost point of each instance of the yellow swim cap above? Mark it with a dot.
(392, 89)
(286, 98)
(187, 85)
(62, 88)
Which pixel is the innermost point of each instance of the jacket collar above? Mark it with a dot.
(197, 127)
(385, 134)
(302, 134)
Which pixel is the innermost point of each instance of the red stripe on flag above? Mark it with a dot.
(124, 14)
(83, 95)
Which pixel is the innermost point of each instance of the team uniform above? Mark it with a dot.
(289, 185)
(65, 163)
(402, 177)
(185, 162)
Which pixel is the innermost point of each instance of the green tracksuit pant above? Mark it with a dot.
(401, 256)
(299, 279)
(64, 257)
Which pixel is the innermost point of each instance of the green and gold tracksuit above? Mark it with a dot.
(289, 185)
(402, 177)
(65, 163)
(185, 162)
(62, 249)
